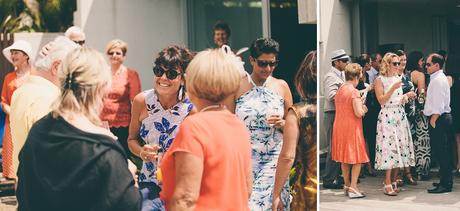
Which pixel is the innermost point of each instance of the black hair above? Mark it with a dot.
(221, 25)
(437, 59)
(363, 59)
(412, 60)
(453, 64)
(264, 45)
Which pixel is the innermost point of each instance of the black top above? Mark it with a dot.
(64, 168)
(455, 102)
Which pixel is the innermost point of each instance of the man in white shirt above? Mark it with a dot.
(376, 59)
(437, 108)
(33, 99)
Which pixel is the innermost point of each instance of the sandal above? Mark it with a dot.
(354, 194)
(389, 193)
(396, 187)
(408, 179)
(345, 190)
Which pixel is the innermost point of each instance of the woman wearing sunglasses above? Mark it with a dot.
(262, 103)
(125, 86)
(394, 147)
(156, 116)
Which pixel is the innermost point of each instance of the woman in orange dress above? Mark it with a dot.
(19, 55)
(348, 146)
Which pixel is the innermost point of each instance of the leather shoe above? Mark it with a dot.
(436, 184)
(332, 185)
(439, 189)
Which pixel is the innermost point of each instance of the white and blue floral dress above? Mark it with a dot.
(159, 127)
(252, 108)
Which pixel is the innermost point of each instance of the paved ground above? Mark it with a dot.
(411, 198)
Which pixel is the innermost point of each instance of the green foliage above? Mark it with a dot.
(36, 16)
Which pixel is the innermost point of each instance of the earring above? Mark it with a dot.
(181, 93)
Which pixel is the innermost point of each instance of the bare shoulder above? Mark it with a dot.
(139, 99)
(244, 87)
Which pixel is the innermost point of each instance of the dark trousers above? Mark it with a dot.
(370, 132)
(122, 134)
(442, 141)
(332, 170)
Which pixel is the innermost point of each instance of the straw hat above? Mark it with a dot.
(339, 54)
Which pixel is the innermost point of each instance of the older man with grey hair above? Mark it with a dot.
(76, 34)
(33, 99)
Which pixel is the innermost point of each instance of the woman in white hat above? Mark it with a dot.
(19, 54)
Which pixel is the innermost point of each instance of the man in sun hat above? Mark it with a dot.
(332, 82)
(33, 99)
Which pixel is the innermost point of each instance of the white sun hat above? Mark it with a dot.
(21, 45)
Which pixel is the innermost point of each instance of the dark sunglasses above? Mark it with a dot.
(115, 52)
(261, 63)
(344, 60)
(428, 64)
(171, 74)
(396, 63)
(80, 42)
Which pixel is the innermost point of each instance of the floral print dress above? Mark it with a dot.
(159, 127)
(394, 146)
(266, 142)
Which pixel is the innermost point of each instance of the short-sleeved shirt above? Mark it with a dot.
(221, 140)
(29, 103)
(117, 105)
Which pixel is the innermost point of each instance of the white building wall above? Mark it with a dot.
(417, 27)
(146, 25)
(335, 26)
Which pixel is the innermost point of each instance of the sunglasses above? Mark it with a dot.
(396, 63)
(114, 53)
(261, 63)
(428, 64)
(80, 42)
(171, 74)
(344, 60)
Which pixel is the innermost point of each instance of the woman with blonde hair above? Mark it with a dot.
(348, 145)
(300, 143)
(208, 166)
(394, 147)
(79, 164)
(125, 86)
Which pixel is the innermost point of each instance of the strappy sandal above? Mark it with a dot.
(408, 179)
(353, 194)
(396, 187)
(389, 193)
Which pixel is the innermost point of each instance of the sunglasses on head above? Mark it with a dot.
(114, 53)
(396, 63)
(261, 63)
(171, 74)
(80, 42)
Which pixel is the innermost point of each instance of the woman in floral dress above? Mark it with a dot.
(156, 117)
(394, 147)
(264, 96)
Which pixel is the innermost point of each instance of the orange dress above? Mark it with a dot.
(222, 141)
(348, 144)
(9, 86)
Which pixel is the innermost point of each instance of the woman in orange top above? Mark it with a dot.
(208, 166)
(19, 54)
(348, 146)
(125, 86)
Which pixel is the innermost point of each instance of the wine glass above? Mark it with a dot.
(272, 113)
